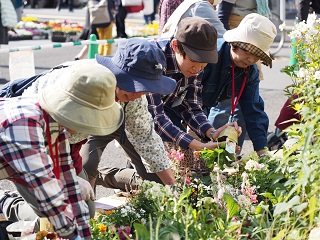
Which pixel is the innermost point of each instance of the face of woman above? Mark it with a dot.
(242, 58)
(188, 67)
(125, 96)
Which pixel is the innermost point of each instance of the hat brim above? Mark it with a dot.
(203, 56)
(233, 36)
(130, 83)
(78, 117)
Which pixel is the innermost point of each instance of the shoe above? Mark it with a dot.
(276, 140)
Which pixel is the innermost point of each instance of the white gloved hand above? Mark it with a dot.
(86, 189)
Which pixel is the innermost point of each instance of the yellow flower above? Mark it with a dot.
(102, 227)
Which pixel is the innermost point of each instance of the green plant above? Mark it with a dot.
(217, 157)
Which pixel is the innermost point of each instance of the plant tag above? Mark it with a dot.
(230, 146)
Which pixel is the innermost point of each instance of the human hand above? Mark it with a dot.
(86, 189)
(210, 145)
(236, 126)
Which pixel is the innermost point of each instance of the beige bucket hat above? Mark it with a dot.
(256, 30)
(83, 99)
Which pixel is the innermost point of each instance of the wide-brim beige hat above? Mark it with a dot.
(83, 99)
(256, 30)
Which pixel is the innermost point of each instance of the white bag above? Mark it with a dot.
(147, 7)
(128, 3)
(8, 14)
(99, 12)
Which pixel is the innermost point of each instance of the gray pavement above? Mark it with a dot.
(271, 88)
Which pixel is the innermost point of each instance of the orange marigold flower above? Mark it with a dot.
(102, 227)
(108, 212)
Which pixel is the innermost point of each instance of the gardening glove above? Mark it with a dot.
(86, 189)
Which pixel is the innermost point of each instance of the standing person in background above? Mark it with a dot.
(70, 5)
(166, 8)
(149, 11)
(18, 5)
(155, 9)
(121, 14)
(151, 17)
(304, 7)
(102, 29)
(34, 3)
(59, 4)
(231, 12)
(4, 36)
(8, 19)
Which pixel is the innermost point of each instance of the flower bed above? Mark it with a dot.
(272, 197)
(65, 31)
(199, 207)
(59, 31)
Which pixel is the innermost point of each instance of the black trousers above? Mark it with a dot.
(120, 22)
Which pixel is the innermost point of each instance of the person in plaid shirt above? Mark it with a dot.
(193, 46)
(34, 147)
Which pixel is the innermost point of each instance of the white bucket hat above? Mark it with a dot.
(256, 30)
(83, 99)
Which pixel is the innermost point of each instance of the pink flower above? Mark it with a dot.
(187, 181)
(253, 198)
(175, 155)
(179, 156)
(249, 192)
(124, 232)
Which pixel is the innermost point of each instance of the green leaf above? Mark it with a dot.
(186, 193)
(298, 209)
(280, 235)
(284, 207)
(312, 208)
(142, 233)
(271, 197)
(231, 204)
(221, 159)
(168, 232)
(276, 177)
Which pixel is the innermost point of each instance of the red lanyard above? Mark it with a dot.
(236, 100)
(55, 159)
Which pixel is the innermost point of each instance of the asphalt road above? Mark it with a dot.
(271, 88)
